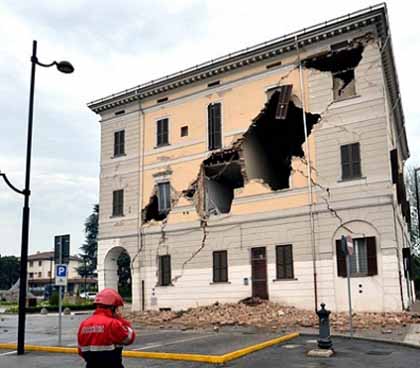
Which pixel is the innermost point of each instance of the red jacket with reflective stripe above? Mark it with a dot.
(100, 338)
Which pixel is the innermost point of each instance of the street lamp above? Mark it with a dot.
(64, 67)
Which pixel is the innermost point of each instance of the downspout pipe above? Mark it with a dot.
(309, 176)
(398, 254)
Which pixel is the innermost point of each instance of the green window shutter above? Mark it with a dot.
(371, 256)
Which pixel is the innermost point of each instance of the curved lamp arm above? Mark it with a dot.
(35, 60)
(11, 186)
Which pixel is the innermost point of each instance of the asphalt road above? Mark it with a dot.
(292, 354)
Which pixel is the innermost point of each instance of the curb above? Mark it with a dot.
(372, 339)
(214, 359)
(47, 349)
(262, 345)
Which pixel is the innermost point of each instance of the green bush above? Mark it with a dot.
(13, 309)
(54, 298)
(6, 303)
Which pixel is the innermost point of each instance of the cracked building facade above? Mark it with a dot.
(238, 177)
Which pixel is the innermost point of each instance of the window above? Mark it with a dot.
(119, 143)
(165, 270)
(39, 263)
(31, 263)
(49, 273)
(283, 97)
(394, 165)
(39, 274)
(284, 262)
(162, 132)
(350, 161)
(31, 275)
(344, 84)
(214, 126)
(118, 202)
(212, 84)
(163, 99)
(164, 197)
(363, 261)
(220, 266)
(273, 65)
(184, 131)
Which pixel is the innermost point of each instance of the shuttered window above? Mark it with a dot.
(363, 262)
(394, 165)
(119, 143)
(118, 202)
(283, 102)
(350, 161)
(284, 262)
(162, 131)
(220, 266)
(164, 197)
(214, 126)
(165, 270)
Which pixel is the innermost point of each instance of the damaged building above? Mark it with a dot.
(239, 176)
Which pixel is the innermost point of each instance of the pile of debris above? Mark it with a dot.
(266, 315)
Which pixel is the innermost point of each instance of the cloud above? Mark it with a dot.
(116, 46)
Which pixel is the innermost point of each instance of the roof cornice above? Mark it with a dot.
(242, 58)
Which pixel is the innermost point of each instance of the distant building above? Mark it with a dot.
(41, 268)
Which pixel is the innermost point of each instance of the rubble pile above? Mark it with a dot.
(266, 315)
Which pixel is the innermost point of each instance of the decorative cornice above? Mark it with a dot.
(251, 55)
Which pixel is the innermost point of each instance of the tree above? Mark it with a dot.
(124, 274)
(410, 179)
(90, 247)
(9, 271)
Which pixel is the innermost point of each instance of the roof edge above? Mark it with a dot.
(219, 65)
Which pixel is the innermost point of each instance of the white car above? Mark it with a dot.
(90, 295)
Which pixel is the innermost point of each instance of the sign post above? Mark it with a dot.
(62, 254)
(347, 249)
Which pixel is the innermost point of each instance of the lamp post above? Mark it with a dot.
(64, 67)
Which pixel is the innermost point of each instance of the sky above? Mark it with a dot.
(117, 45)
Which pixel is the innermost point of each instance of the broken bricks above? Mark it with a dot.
(267, 315)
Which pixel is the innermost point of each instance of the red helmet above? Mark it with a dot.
(109, 297)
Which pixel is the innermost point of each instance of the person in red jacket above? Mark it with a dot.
(101, 337)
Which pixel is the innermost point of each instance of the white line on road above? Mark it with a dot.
(9, 353)
(172, 343)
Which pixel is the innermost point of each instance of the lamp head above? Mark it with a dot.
(65, 67)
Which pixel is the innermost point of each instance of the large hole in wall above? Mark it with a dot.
(223, 173)
(264, 152)
(151, 211)
(270, 143)
(341, 62)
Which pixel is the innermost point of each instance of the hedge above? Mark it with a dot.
(53, 308)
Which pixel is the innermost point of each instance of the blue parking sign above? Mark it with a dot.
(62, 270)
(61, 274)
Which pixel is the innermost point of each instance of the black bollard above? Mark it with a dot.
(324, 341)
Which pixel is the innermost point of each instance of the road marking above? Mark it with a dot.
(171, 343)
(9, 353)
(216, 359)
